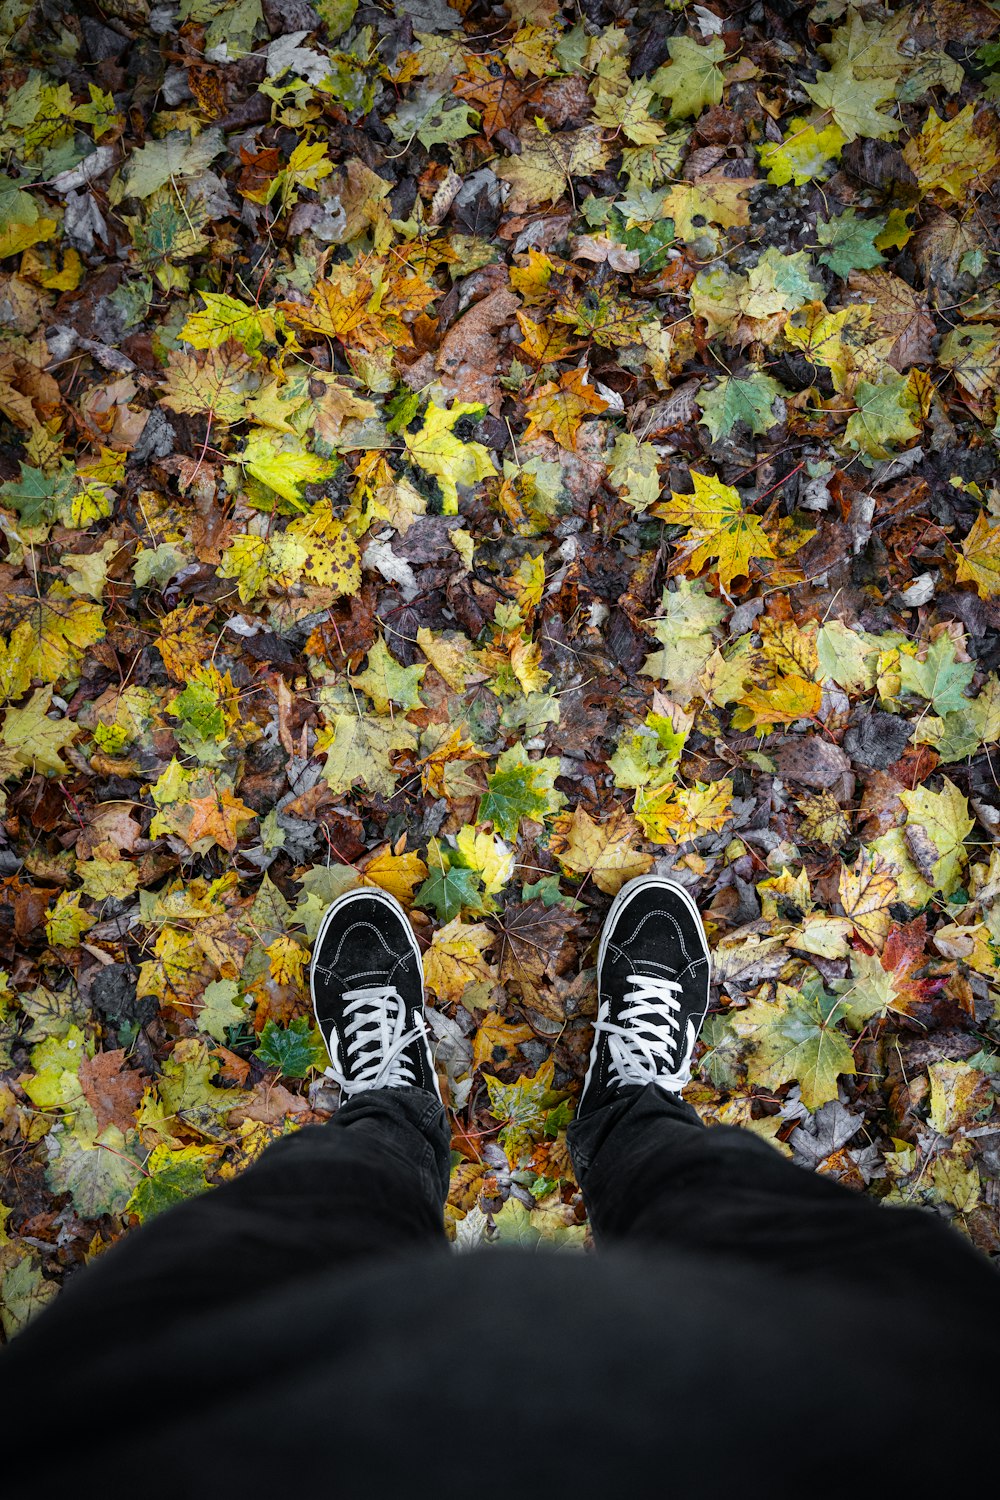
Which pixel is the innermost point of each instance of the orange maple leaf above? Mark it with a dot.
(496, 94)
(218, 816)
(560, 406)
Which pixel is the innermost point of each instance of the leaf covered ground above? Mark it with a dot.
(490, 451)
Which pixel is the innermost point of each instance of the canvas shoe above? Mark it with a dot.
(367, 985)
(653, 968)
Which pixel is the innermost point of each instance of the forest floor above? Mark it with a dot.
(490, 451)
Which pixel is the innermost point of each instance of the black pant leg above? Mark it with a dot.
(371, 1183)
(653, 1175)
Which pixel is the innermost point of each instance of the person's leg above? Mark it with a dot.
(370, 1183)
(652, 1175)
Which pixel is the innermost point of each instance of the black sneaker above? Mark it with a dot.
(652, 979)
(367, 985)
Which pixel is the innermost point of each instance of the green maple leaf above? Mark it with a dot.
(721, 1061)
(780, 283)
(633, 470)
(943, 818)
(740, 398)
(882, 417)
(851, 243)
(219, 1009)
(435, 117)
(37, 497)
(954, 736)
(175, 156)
(795, 1037)
(34, 738)
(385, 680)
(688, 615)
(868, 993)
(692, 80)
(449, 891)
(24, 1291)
(848, 657)
(519, 788)
(16, 206)
(198, 709)
(521, 1105)
(854, 103)
(939, 677)
(292, 1049)
(172, 1176)
(186, 1082)
(514, 1227)
(361, 750)
(98, 1171)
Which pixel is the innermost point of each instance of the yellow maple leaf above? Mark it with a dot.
(455, 958)
(790, 698)
(395, 870)
(710, 200)
(547, 161)
(525, 663)
(223, 318)
(544, 343)
(453, 657)
(451, 747)
(979, 558)
(214, 380)
(440, 453)
(604, 851)
(287, 960)
(531, 280)
(948, 155)
(672, 815)
(333, 558)
(497, 1036)
(789, 649)
(866, 893)
(33, 739)
(719, 524)
(182, 642)
(283, 465)
(249, 559)
(559, 406)
(59, 628)
(832, 340)
(487, 854)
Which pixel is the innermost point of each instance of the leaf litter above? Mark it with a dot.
(488, 451)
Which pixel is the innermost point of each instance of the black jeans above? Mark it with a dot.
(326, 1263)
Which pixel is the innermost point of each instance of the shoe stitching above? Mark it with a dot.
(692, 965)
(370, 926)
(331, 969)
(652, 962)
(665, 915)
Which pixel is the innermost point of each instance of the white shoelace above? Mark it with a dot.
(647, 1034)
(377, 1041)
